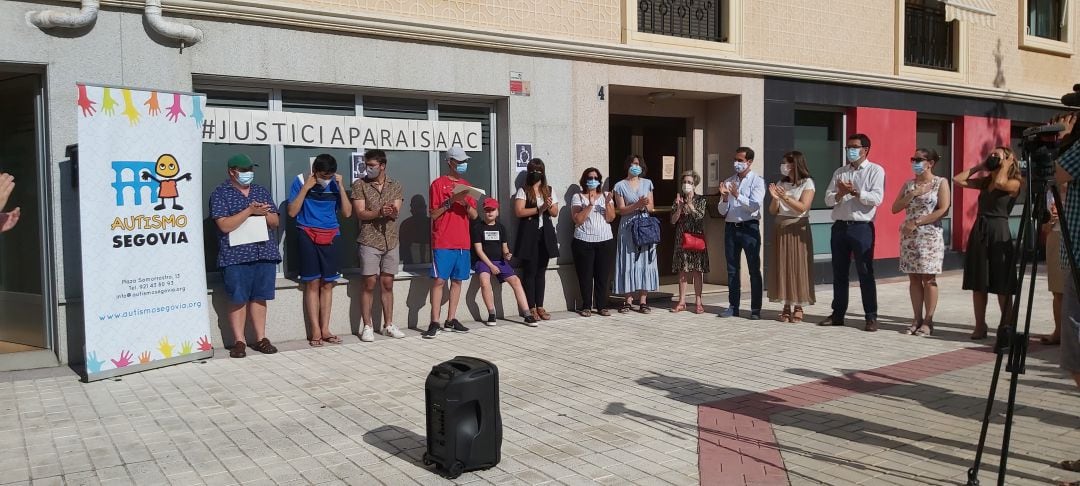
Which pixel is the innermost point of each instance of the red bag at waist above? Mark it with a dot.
(320, 236)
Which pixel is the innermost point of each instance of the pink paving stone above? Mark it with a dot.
(737, 445)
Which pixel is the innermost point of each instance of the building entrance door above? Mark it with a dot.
(25, 322)
(653, 138)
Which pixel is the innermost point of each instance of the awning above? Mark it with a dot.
(973, 11)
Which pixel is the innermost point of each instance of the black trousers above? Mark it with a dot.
(593, 261)
(534, 275)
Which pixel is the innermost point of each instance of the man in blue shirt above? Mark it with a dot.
(249, 269)
(741, 198)
(315, 203)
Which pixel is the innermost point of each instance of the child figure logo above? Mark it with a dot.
(166, 169)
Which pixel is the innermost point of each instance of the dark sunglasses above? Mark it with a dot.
(917, 159)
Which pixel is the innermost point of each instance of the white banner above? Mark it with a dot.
(260, 127)
(140, 206)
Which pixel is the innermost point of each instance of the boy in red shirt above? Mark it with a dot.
(450, 240)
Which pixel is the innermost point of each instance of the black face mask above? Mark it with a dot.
(533, 178)
(993, 162)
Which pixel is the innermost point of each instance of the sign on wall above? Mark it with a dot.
(523, 153)
(140, 206)
(260, 127)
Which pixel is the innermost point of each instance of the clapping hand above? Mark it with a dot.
(7, 185)
(679, 201)
(259, 209)
(776, 191)
(844, 188)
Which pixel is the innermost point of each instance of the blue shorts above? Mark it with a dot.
(451, 264)
(249, 282)
(505, 270)
(317, 261)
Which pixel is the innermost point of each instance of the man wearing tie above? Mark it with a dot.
(854, 193)
(741, 197)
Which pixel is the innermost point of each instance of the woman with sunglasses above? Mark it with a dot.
(925, 199)
(988, 261)
(593, 210)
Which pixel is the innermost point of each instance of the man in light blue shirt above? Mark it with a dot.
(741, 200)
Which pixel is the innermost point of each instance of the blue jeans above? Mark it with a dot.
(746, 237)
(853, 240)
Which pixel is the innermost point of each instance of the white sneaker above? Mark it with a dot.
(368, 335)
(392, 331)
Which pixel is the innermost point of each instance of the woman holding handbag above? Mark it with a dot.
(635, 261)
(536, 242)
(791, 279)
(691, 260)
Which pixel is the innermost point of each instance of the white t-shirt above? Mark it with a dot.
(595, 228)
(795, 192)
(539, 202)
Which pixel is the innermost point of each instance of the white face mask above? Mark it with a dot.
(687, 188)
(325, 182)
(785, 169)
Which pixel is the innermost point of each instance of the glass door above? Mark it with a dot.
(24, 283)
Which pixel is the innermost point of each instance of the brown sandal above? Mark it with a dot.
(238, 350)
(785, 315)
(585, 313)
(264, 347)
(604, 312)
(678, 308)
(1073, 466)
(797, 315)
(332, 339)
(543, 314)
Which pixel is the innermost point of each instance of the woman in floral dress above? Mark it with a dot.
(925, 199)
(688, 216)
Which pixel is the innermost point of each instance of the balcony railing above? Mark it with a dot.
(692, 19)
(928, 38)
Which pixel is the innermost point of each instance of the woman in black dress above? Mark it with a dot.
(988, 261)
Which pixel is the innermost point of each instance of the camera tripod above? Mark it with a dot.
(1012, 341)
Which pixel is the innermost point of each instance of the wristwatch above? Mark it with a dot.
(447, 204)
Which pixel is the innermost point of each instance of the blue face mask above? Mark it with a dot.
(245, 178)
(740, 166)
(853, 154)
(635, 170)
(918, 167)
(462, 167)
(592, 183)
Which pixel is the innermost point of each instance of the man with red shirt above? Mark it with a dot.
(450, 240)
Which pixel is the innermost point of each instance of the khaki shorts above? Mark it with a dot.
(374, 261)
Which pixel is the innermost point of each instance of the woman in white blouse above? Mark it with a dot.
(790, 278)
(593, 247)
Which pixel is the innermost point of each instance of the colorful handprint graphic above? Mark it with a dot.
(154, 107)
(185, 348)
(196, 110)
(86, 103)
(92, 363)
(204, 344)
(108, 104)
(165, 348)
(175, 111)
(125, 359)
(129, 108)
(144, 357)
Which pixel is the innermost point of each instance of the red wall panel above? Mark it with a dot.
(975, 138)
(892, 142)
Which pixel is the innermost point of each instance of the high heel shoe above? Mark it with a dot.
(678, 308)
(785, 315)
(797, 316)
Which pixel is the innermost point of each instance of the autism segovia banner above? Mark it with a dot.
(140, 205)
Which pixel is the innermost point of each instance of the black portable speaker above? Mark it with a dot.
(464, 427)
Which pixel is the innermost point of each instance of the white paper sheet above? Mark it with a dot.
(252, 230)
(473, 191)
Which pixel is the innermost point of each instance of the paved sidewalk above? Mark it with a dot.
(584, 401)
